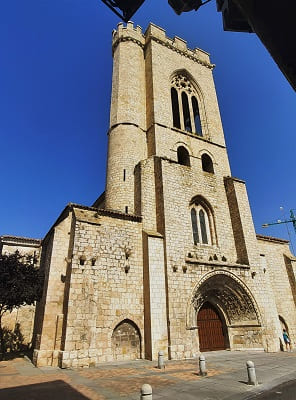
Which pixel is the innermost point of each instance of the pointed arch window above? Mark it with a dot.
(203, 228)
(175, 108)
(200, 220)
(185, 107)
(196, 116)
(194, 226)
(186, 113)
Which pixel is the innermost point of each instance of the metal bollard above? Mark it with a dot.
(146, 392)
(160, 360)
(202, 366)
(252, 380)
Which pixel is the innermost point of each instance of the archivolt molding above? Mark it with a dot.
(183, 144)
(204, 151)
(127, 317)
(199, 199)
(182, 79)
(229, 293)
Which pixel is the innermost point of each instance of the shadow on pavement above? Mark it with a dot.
(57, 390)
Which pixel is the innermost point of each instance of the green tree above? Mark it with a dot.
(21, 284)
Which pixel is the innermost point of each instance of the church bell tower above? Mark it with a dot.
(168, 163)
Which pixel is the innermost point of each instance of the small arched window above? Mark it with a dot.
(200, 220)
(196, 116)
(207, 163)
(175, 108)
(183, 156)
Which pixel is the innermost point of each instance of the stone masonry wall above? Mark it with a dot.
(157, 286)
(180, 185)
(115, 278)
(127, 133)
(50, 311)
(277, 253)
(178, 58)
(106, 286)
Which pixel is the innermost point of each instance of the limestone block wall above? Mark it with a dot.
(277, 257)
(105, 286)
(121, 165)
(50, 311)
(127, 134)
(156, 334)
(183, 326)
(128, 103)
(145, 199)
(242, 222)
(178, 58)
(180, 185)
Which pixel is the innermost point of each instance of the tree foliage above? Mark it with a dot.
(21, 284)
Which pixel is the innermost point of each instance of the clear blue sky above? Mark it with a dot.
(55, 81)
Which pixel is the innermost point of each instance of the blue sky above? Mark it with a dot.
(55, 83)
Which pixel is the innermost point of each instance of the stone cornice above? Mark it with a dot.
(7, 239)
(124, 123)
(186, 53)
(272, 239)
(192, 135)
(127, 39)
(233, 178)
(214, 263)
(154, 33)
(99, 211)
(107, 213)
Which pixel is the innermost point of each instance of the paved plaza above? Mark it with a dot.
(226, 379)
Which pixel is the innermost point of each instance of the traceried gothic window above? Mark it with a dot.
(185, 109)
(200, 225)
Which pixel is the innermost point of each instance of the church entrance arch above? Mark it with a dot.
(126, 341)
(211, 329)
(225, 313)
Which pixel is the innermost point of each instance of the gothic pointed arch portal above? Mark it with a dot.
(223, 306)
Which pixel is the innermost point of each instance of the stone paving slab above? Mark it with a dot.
(226, 379)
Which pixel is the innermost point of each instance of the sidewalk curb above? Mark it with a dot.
(264, 387)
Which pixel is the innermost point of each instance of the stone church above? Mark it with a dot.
(167, 257)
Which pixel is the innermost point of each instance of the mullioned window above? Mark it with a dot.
(185, 108)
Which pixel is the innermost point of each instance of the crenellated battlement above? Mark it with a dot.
(157, 34)
(127, 33)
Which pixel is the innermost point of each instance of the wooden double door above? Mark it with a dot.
(211, 329)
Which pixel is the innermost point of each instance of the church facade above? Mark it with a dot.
(167, 258)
